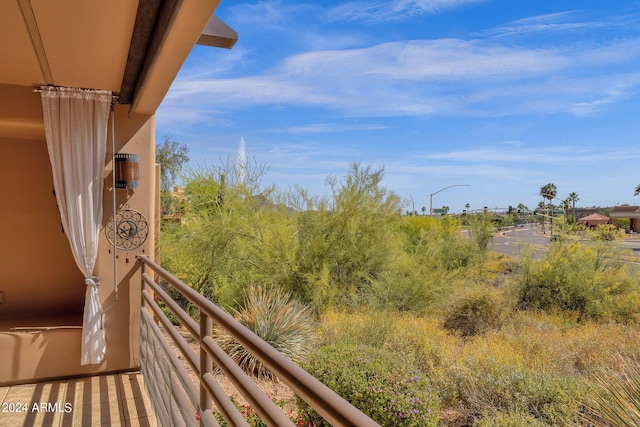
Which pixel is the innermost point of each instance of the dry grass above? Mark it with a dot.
(535, 370)
(616, 395)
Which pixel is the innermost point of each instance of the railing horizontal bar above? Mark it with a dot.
(224, 404)
(209, 419)
(176, 395)
(152, 387)
(326, 402)
(220, 398)
(183, 346)
(191, 325)
(166, 399)
(183, 375)
(268, 411)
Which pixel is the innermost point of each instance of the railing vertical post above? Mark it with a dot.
(206, 365)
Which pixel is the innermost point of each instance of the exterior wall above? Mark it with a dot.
(37, 271)
(42, 284)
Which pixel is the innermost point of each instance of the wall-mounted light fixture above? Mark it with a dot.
(126, 170)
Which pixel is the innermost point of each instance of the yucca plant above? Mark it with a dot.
(285, 323)
(616, 396)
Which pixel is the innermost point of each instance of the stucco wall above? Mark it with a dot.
(37, 271)
(38, 274)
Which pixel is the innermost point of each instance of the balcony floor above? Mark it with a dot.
(108, 400)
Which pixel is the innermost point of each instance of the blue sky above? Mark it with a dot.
(503, 96)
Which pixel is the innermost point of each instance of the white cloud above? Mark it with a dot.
(269, 15)
(393, 10)
(444, 59)
(333, 128)
(448, 77)
(549, 23)
(546, 155)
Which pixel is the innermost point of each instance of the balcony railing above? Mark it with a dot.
(181, 401)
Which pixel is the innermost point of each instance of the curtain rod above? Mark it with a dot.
(114, 98)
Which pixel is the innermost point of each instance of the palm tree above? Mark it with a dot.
(635, 193)
(467, 206)
(573, 196)
(548, 192)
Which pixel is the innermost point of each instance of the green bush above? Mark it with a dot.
(381, 383)
(585, 279)
(481, 228)
(482, 388)
(474, 313)
(509, 419)
(286, 324)
(252, 417)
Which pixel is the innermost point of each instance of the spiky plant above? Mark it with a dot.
(616, 396)
(284, 323)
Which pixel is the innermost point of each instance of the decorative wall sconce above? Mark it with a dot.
(126, 170)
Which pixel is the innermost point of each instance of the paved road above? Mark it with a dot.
(509, 242)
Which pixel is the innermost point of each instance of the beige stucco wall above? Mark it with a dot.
(41, 281)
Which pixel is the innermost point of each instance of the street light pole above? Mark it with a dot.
(442, 189)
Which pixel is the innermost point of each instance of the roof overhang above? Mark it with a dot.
(625, 212)
(132, 48)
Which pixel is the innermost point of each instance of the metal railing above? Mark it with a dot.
(180, 400)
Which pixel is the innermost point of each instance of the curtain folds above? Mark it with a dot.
(76, 131)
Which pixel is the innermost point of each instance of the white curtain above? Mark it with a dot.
(76, 130)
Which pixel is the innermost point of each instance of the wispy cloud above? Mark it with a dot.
(273, 15)
(394, 10)
(332, 128)
(572, 21)
(546, 155)
(449, 77)
(549, 23)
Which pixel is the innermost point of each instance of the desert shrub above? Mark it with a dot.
(474, 313)
(509, 419)
(483, 387)
(481, 228)
(438, 248)
(578, 278)
(615, 396)
(167, 312)
(383, 384)
(374, 329)
(420, 338)
(532, 371)
(286, 324)
(252, 417)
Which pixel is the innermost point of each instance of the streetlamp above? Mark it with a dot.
(442, 189)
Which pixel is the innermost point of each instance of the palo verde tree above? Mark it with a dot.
(348, 243)
(171, 156)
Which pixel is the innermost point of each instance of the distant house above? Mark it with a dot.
(631, 212)
(582, 212)
(594, 220)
